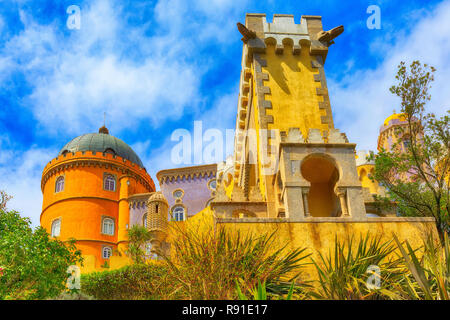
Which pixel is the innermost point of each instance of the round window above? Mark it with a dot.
(212, 184)
(178, 193)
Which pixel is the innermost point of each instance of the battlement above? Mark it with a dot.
(361, 158)
(283, 31)
(91, 158)
(284, 23)
(332, 136)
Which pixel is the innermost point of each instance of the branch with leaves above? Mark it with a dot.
(415, 170)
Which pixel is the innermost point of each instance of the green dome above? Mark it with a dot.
(102, 142)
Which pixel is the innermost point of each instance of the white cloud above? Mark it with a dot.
(361, 100)
(76, 78)
(21, 177)
(113, 66)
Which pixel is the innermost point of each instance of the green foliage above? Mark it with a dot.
(138, 238)
(34, 265)
(343, 273)
(260, 293)
(429, 276)
(134, 282)
(206, 265)
(415, 170)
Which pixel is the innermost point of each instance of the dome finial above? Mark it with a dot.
(103, 129)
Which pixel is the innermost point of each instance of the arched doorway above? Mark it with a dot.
(321, 172)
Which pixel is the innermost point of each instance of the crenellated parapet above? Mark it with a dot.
(362, 158)
(284, 33)
(178, 174)
(96, 159)
(332, 136)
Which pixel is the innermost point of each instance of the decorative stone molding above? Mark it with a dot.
(295, 136)
(315, 136)
(334, 136)
(323, 91)
(361, 158)
(193, 172)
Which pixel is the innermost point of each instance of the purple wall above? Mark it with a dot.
(196, 192)
(137, 211)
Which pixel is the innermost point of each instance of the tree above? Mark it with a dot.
(139, 238)
(33, 265)
(4, 198)
(416, 169)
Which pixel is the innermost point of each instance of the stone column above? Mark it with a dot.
(293, 203)
(305, 193)
(341, 193)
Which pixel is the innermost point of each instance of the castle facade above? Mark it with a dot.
(291, 170)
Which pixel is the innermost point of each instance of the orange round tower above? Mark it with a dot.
(85, 194)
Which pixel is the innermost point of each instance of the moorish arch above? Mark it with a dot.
(322, 172)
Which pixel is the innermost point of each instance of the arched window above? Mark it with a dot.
(144, 220)
(59, 185)
(106, 252)
(109, 183)
(110, 151)
(108, 226)
(56, 228)
(178, 213)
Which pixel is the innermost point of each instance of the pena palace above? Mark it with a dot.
(298, 174)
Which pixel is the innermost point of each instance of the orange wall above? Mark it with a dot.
(83, 202)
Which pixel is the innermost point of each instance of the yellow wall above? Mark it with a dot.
(364, 171)
(320, 237)
(293, 93)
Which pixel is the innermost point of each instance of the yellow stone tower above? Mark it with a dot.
(285, 126)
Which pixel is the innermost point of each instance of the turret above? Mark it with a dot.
(157, 214)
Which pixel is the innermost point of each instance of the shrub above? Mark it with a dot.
(133, 282)
(429, 276)
(343, 273)
(207, 264)
(32, 264)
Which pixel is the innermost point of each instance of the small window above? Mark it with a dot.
(106, 252)
(110, 151)
(406, 144)
(177, 194)
(178, 213)
(59, 185)
(56, 228)
(212, 184)
(109, 182)
(144, 220)
(108, 226)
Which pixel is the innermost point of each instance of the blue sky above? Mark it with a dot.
(156, 66)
